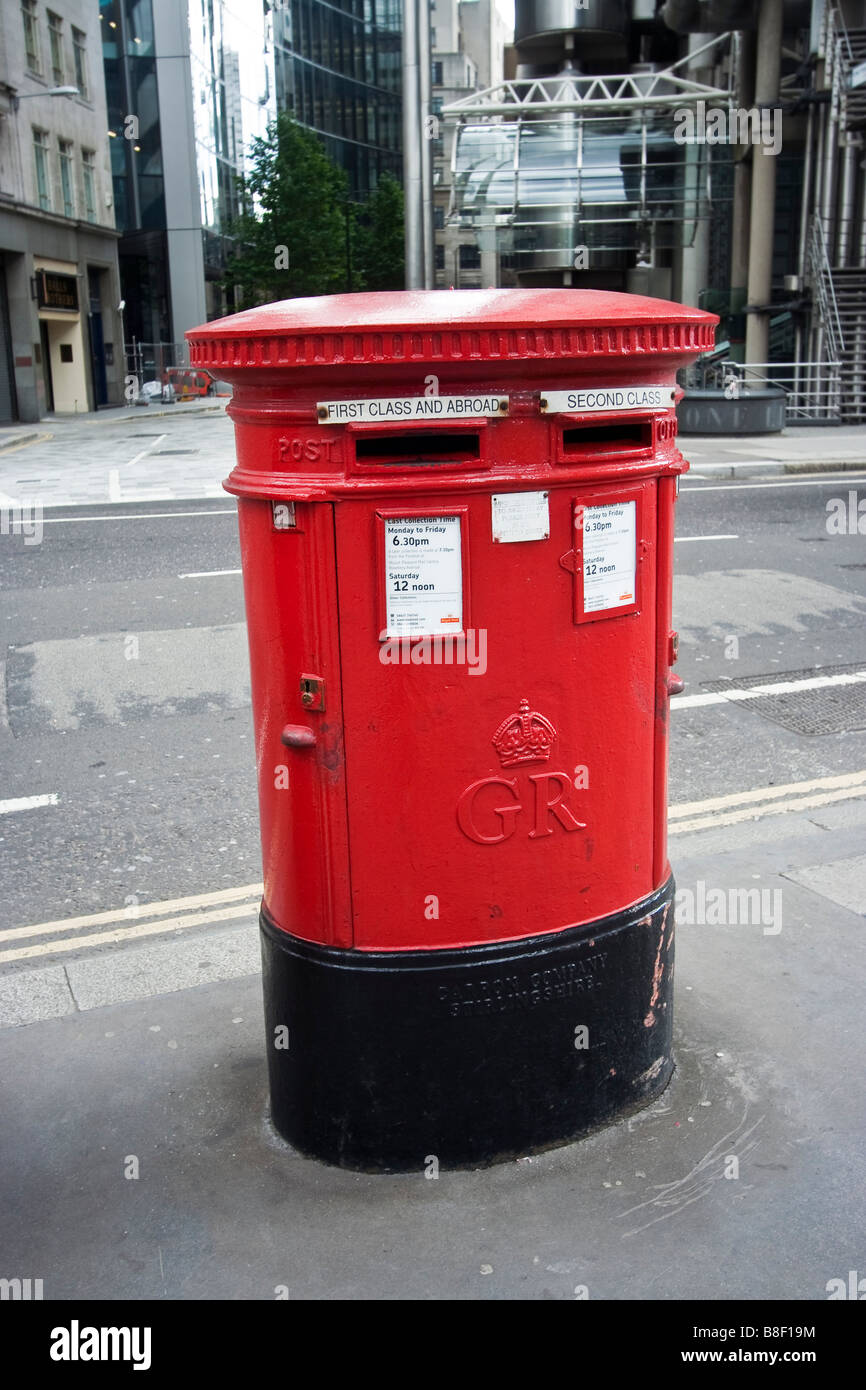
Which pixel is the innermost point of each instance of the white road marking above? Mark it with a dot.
(207, 574)
(722, 697)
(113, 485)
(817, 480)
(135, 516)
(678, 539)
(130, 913)
(27, 803)
(146, 450)
(762, 794)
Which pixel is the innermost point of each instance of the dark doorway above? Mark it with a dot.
(8, 405)
(97, 341)
(46, 366)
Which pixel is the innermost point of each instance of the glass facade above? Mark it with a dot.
(336, 67)
(233, 99)
(129, 62)
(608, 184)
(338, 72)
(126, 30)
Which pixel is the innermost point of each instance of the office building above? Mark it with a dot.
(706, 151)
(61, 332)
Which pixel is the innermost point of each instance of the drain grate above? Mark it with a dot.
(835, 709)
(164, 453)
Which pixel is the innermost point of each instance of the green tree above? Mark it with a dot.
(291, 235)
(378, 261)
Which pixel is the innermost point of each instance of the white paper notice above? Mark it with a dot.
(521, 516)
(609, 556)
(423, 576)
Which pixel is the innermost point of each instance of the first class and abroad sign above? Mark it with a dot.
(412, 408)
(584, 400)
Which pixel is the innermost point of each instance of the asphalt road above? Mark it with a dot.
(127, 691)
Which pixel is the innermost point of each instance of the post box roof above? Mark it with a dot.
(430, 325)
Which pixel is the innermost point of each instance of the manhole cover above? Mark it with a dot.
(834, 709)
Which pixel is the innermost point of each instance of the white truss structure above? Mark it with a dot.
(606, 95)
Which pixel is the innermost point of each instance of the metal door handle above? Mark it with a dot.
(298, 736)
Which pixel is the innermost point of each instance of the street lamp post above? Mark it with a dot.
(48, 92)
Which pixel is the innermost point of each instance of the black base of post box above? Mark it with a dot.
(387, 1061)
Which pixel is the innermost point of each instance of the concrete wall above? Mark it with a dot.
(180, 170)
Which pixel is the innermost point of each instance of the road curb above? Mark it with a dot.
(139, 413)
(775, 468)
(7, 446)
(172, 963)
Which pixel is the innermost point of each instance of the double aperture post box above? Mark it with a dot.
(456, 516)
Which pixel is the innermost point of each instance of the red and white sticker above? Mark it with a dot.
(423, 576)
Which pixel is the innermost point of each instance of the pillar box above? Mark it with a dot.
(456, 517)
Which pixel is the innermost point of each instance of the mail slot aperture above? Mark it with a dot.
(418, 449)
(625, 436)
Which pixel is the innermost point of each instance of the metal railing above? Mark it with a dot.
(821, 278)
(148, 361)
(813, 391)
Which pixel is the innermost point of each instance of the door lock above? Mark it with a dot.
(312, 692)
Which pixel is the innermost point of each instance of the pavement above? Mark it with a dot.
(138, 1157)
(127, 454)
(800, 449)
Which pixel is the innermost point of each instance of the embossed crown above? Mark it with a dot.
(525, 737)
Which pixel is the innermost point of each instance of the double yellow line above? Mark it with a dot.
(765, 801)
(124, 925)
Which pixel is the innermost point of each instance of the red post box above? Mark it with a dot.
(456, 516)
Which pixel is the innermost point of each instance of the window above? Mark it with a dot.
(88, 170)
(79, 49)
(439, 217)
(40, 159)
(66, 178)
(31, 36)
(437, 74)
(470, 257)
(55, 42)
